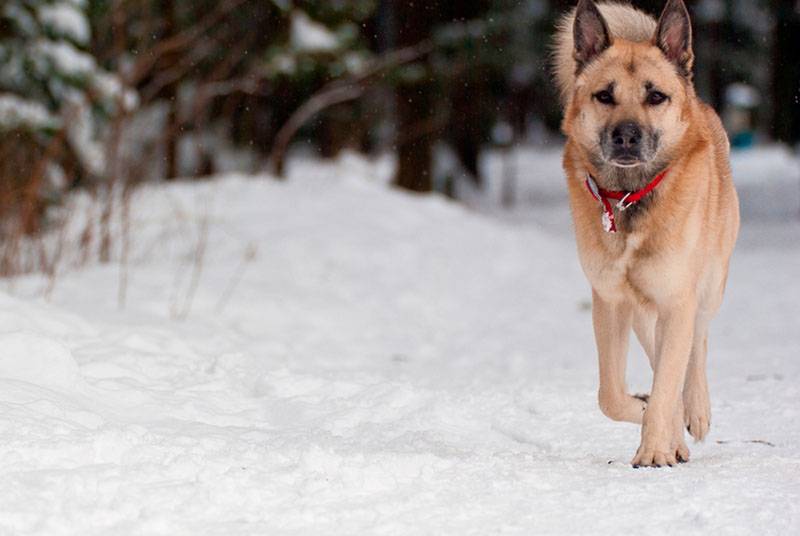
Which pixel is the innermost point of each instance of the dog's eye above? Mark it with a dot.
(654, 98)
(604, 97)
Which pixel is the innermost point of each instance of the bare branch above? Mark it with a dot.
(337, 92)
(180, 41)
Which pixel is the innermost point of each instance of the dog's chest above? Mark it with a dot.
(616, 271)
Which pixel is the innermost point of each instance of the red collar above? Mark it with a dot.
(625, 199)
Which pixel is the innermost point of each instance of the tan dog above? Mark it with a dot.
(657, 259)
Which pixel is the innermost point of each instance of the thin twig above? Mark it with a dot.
(125, 215)
(249, 256)
(197, 269)
(51, 267)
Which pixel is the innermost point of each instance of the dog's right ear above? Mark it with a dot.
(590, 34)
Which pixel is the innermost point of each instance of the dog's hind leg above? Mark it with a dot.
(612, 328)
(697, 408)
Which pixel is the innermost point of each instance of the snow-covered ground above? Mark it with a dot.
(330, 356)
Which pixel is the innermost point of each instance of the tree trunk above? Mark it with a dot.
(414, 101)
(785, 124)
(467, 128)
(170, 94)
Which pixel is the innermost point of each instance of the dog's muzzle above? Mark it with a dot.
(625, 145)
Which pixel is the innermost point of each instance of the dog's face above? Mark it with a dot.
(630, 97)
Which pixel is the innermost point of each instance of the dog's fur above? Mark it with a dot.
(663, 274)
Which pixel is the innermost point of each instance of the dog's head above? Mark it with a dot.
(629, 98)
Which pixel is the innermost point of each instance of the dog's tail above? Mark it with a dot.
(623, 21)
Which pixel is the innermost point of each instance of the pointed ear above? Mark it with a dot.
(674, 36)
(590, 34)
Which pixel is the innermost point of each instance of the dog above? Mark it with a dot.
(654, 207)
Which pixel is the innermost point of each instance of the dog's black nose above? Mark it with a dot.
(626, 135)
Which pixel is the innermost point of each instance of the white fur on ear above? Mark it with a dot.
(590, 33)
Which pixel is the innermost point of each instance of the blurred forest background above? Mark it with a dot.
(102, 95)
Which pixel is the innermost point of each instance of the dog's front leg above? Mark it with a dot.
(674, 331)
(612, 327)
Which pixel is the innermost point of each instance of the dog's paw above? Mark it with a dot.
(653, 458)
(698, 426)
(650, 457)
(682, 452)
(658, 451)
(697, 413)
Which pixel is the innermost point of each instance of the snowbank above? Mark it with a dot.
(329, 356)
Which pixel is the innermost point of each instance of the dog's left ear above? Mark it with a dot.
(674, 36)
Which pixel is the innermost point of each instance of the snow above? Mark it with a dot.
(63, 58)
(20, 17)
(110, 87)
(16, 112)
(34, 358)
(743, 95)
(768, 185)
(67, 20)
(89, 148)
(327, 355)
(307, 35)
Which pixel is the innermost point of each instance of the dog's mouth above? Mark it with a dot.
(626, 160)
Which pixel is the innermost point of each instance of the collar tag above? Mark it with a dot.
(607, 219)
(608, 222)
